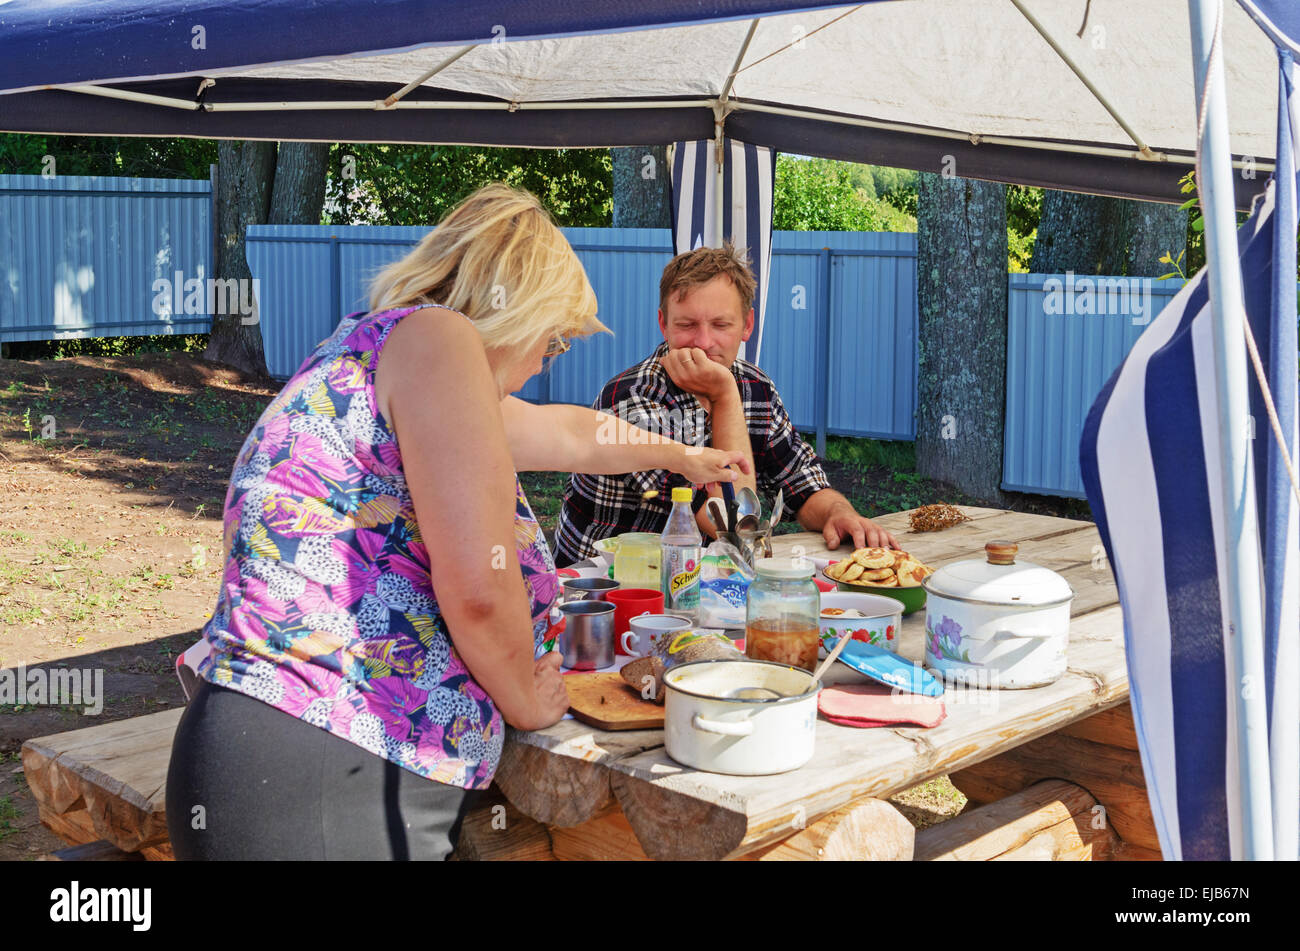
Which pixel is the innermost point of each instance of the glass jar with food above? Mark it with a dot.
(782, 613)
(636, 563)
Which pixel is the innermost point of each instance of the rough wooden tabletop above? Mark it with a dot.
(571, 773)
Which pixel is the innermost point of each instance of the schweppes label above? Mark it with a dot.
(683, 580)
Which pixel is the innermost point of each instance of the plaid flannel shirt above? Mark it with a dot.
(601, 506)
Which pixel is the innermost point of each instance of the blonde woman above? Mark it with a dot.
(386, 587)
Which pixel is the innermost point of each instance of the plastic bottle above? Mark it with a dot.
(681, 547)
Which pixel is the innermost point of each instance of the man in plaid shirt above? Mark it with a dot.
(695, 390)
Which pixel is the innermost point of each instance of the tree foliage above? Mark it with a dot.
(419, 184)
(106, 155)
(824, 195)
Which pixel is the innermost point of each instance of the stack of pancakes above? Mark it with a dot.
(881, 568)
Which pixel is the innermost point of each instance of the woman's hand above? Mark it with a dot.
(552, 695)
(706, 466)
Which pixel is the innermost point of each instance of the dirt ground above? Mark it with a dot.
(113, 471)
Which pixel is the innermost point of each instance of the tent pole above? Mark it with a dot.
(719, 155)
(1244, 647)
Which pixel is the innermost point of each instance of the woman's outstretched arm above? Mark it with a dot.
(565, 438)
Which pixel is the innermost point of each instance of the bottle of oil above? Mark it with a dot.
(681, 547)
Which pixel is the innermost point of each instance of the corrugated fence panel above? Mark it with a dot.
(79, 256)
(309, 277)
(312, 276)
(871, 377)
(1065, 337)
(623, 265)
(794, 328)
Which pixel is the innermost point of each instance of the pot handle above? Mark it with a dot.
(744, 728)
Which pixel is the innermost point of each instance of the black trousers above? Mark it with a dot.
(249, 782)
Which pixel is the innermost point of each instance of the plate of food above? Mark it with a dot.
(894, 574)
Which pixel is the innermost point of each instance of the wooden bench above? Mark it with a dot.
(1076, 794)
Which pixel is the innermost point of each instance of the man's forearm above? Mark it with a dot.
(731, 432)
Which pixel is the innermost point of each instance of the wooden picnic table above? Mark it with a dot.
(572, 791)
(607, 794)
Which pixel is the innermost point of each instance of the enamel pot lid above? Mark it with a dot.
(999, 579)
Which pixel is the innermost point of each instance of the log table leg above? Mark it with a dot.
(494, 830)
(1050, 821)
(868, 829)
(1100, 754)
(865, 829)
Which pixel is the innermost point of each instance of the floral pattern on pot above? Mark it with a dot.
(944, 641)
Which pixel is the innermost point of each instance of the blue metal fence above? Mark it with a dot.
(83, 257)
(1066, 334)
(841, 310)
(102, 257)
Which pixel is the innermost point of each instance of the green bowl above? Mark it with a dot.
(912, 599)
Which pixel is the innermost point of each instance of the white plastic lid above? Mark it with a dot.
(1000, 579)
(785, 569)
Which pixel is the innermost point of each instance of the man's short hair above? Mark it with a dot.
(693, 268)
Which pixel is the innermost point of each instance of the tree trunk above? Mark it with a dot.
(1087, 234)
(299, 193)
(643, 192)
(1157, 229)
(244, 176)
(962, 298)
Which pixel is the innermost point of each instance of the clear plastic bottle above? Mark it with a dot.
(681, 546)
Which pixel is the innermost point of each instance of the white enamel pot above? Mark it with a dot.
(997, 622)
(756, 734)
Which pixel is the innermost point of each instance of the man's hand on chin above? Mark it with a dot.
(692, 370)
(842, 521)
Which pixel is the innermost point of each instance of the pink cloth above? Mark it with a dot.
(865, 705)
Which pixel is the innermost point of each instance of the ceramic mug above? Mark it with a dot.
(647, 632)
(632, 602)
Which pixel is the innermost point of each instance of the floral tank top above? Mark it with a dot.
(326, 609)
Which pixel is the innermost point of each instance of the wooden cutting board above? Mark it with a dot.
(606, 702)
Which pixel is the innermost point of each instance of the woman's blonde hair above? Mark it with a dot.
(500, 260)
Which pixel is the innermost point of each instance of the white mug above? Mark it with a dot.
(647, 630)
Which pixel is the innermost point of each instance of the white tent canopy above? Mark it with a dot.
(974, 88)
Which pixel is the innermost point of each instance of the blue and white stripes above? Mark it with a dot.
(749, 176)
(1150, 460)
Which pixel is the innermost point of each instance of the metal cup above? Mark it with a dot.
(586, 589)
(587, 641)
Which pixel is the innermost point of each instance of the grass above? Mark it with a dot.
(545, 492)
(8, 812)
(873, 453)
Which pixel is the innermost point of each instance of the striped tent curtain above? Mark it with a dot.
(749, 177)
(1150, 459)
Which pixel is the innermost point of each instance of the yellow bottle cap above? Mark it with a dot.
(682, 494)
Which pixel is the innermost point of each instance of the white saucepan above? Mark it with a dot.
(742, 717)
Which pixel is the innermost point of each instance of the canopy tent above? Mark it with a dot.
(908, 84)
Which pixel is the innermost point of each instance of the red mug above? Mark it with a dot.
(629, 603)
